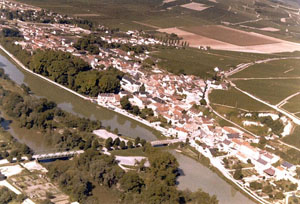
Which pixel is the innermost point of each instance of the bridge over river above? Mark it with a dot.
(56, 155)
(165, 142)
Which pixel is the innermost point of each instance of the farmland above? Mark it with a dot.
(229, 35)
(272, 91)
(200, 63)
(236, 99)
(293, 105)
(235, 116)
(280, 68)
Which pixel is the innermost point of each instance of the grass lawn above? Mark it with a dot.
(272, 91)
(235, 98)
(293, 105)
(196, 62)
(279, 68)
(129, 152)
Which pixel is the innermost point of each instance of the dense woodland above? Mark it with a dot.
(67, 69)
(155, 185)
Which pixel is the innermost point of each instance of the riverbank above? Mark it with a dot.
(205, 161)
(82, 100)
(87, 108)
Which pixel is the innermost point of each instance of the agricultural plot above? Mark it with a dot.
(37, 187)
(235, 99)
(195, 62)
(272, 91)
(195, 6)
(230, 35)
(293, 105)
(278, 68)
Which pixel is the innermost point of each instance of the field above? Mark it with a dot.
(294, 138)
(272, 91)
(199, 63)
(293, 105)
(195, 6)
(234, 116)
(229, 35)
(280, 68)
(236, 99)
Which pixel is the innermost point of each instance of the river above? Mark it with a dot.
(195, 174)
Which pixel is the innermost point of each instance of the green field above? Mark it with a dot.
(278, 68)
(200, 63)
(294, 138)
(293, 105)
(234, 116)
(236, 99)
(272, 91)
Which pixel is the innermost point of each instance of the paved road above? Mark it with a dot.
(295, 119)
(281, 103)
(131, 160)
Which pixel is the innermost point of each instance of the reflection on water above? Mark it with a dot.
(194, 175)
(75, 105)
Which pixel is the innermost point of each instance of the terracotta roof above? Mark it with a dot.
(270, 171)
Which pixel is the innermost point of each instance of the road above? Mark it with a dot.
(224, 118)
(241, 67)
(295, 119)
(281, 103)
(267, 78)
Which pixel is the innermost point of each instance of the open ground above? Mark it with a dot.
(225, 38)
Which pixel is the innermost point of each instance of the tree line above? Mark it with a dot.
(155, 184)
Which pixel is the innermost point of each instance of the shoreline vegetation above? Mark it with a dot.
(66, 89)
(93, 170)
(6, 50)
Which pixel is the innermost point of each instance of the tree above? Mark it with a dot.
(19, 157)
(8, 32)
(125, 104)
(116, 142)
(26, 89)
(131, 182)
(95, 144)
(109, 84)
(129, 144)
(135, 110)
(238, 174)
(142, 88)
(116, 131)
(204, 198)
(256, 185)
(203, 102)
(122, 145)
(164, 167)
(137, 141)
(267, 189)
(143, 142)
(108, 143)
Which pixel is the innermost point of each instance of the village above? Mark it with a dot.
(177, 102)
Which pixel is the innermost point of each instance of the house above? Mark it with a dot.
(269, 157)
(106, 97)
(130, 85)
(288, 166)
(270, 171)
(181, 133)
(280, 173)
(260, 165)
